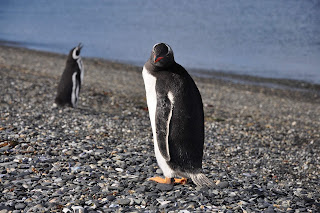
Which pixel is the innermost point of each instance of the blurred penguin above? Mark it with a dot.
(71, 79)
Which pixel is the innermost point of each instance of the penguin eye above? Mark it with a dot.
(77, 52)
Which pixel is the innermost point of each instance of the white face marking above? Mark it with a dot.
(75, 90)
(155, 45)
(169, 49)
(150, 86)
(74, 53)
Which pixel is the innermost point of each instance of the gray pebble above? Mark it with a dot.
(164, 187)
(124, 201)
(111, 197)
(223, 184)
(20, 206)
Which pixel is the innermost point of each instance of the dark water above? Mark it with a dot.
(274, 38)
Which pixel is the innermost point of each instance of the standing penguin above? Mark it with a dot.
(177, 118)
(71, 79)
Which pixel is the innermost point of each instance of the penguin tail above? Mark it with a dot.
(201, 180)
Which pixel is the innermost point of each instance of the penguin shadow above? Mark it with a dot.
(93, 104)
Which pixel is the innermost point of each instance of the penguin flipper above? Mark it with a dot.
(163, 118)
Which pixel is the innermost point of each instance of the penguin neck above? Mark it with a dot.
(153, 68)
(73, 60)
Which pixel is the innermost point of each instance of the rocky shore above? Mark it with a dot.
(262, 145)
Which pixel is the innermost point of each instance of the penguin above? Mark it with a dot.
(177, 118)
(71, 79)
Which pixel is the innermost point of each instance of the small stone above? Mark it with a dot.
(164, 187)
(111, 197)
(58, 180)
(141, 189)
(270, 209)
(215, 192)
(163, 202)
(28, 200)
(20, 206)
(232, 194)
(137, 201)
(78, 209)
(114, 205)
(30, 149)
(37, 208)
(66, 210)
(54, 200)
(119, 169)
(222, 184)
(124, 201)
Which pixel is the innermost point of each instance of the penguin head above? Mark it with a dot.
(162, 55)
(76, 51)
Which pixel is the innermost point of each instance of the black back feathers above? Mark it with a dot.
(71, 79)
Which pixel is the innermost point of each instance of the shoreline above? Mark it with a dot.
(205, 74)
(262, 145)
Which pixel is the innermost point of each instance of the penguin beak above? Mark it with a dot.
(157, 58)
(80, 46)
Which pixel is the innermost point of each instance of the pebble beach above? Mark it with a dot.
(262, 144)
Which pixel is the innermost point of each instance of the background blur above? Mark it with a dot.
(274, 38)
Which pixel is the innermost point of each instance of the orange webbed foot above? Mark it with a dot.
(165, 180)
(180, 180)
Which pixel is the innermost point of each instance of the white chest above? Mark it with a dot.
(150, 86)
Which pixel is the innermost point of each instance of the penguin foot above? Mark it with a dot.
(165, 180)
(180, 180)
